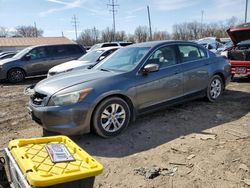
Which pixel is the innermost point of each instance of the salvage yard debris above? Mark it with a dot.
(153, 172)
(205, 136)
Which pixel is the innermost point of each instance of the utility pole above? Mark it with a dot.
(95, 33)
(62, 34)
(149, 23)
(75, 23)
(35, 29)
(113, 9)
(202, 15)
(246, 11)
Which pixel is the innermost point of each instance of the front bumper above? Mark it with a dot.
(67, 120)
(3, 74)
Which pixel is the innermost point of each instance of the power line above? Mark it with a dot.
(149, 22)
(75, 24)
(113, 9)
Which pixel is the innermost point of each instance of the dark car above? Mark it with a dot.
(134, 80)
(37, 60)
(239, 54)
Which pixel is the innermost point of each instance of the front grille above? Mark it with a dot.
(38, 98)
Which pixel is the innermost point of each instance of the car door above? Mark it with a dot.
(163, 85)
(36, 61)
(61, 54)
(195, 65)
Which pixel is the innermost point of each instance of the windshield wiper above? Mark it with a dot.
(105, 70)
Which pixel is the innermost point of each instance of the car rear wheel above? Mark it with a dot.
(111, 117)
(215, 88)
(16, 75)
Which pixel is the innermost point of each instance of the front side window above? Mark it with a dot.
(38, 53)
(191, 53)
(124, 60)
(164, 56)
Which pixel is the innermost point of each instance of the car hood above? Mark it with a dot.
(239, 33)
(62, 81)
(8, 60)
(70, 65)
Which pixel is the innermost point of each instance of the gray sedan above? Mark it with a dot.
(134, 80)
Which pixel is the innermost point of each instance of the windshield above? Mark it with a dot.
(95, 46)
(22, 53)
(124, 60)
(91, 56)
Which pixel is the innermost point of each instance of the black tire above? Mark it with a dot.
(48, 133)
(117, 120)
(214, 88)
(15, 75)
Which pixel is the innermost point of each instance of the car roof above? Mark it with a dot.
(152, 44)
(108, 48)
(52, 45)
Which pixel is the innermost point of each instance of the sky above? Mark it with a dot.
(55, 16)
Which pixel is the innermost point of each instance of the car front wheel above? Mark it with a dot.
(111, 117)
(16, 75)
(215, 88)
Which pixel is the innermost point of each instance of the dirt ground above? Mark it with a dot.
(197, 144)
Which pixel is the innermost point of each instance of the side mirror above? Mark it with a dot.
(27, 57)
(101, 58)
(150, 68)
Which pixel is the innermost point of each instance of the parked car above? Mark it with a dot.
(212, 45)
(7, 55)
(88, 60)
(37, 60)
(134, 80)
(239, 53)
(109, 44)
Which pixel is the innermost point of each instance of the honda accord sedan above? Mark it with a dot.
(136, 79)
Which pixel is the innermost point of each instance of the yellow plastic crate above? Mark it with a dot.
(40, 171)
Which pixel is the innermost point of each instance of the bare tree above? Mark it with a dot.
(107, 35)
(89, 37)
(3, 32)
(161, 35)
(141, 34)
(195, 30)
(28, 31)
(120, 36)
(131, 38)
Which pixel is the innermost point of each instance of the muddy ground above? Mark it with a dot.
(197, 144)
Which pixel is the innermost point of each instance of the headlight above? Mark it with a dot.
(69, 98)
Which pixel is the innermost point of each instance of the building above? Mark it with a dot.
(19, 43)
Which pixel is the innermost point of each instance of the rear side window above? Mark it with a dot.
(191, 53)
(125, 43)
(109, 44)
(61, 51)
(74, 49)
